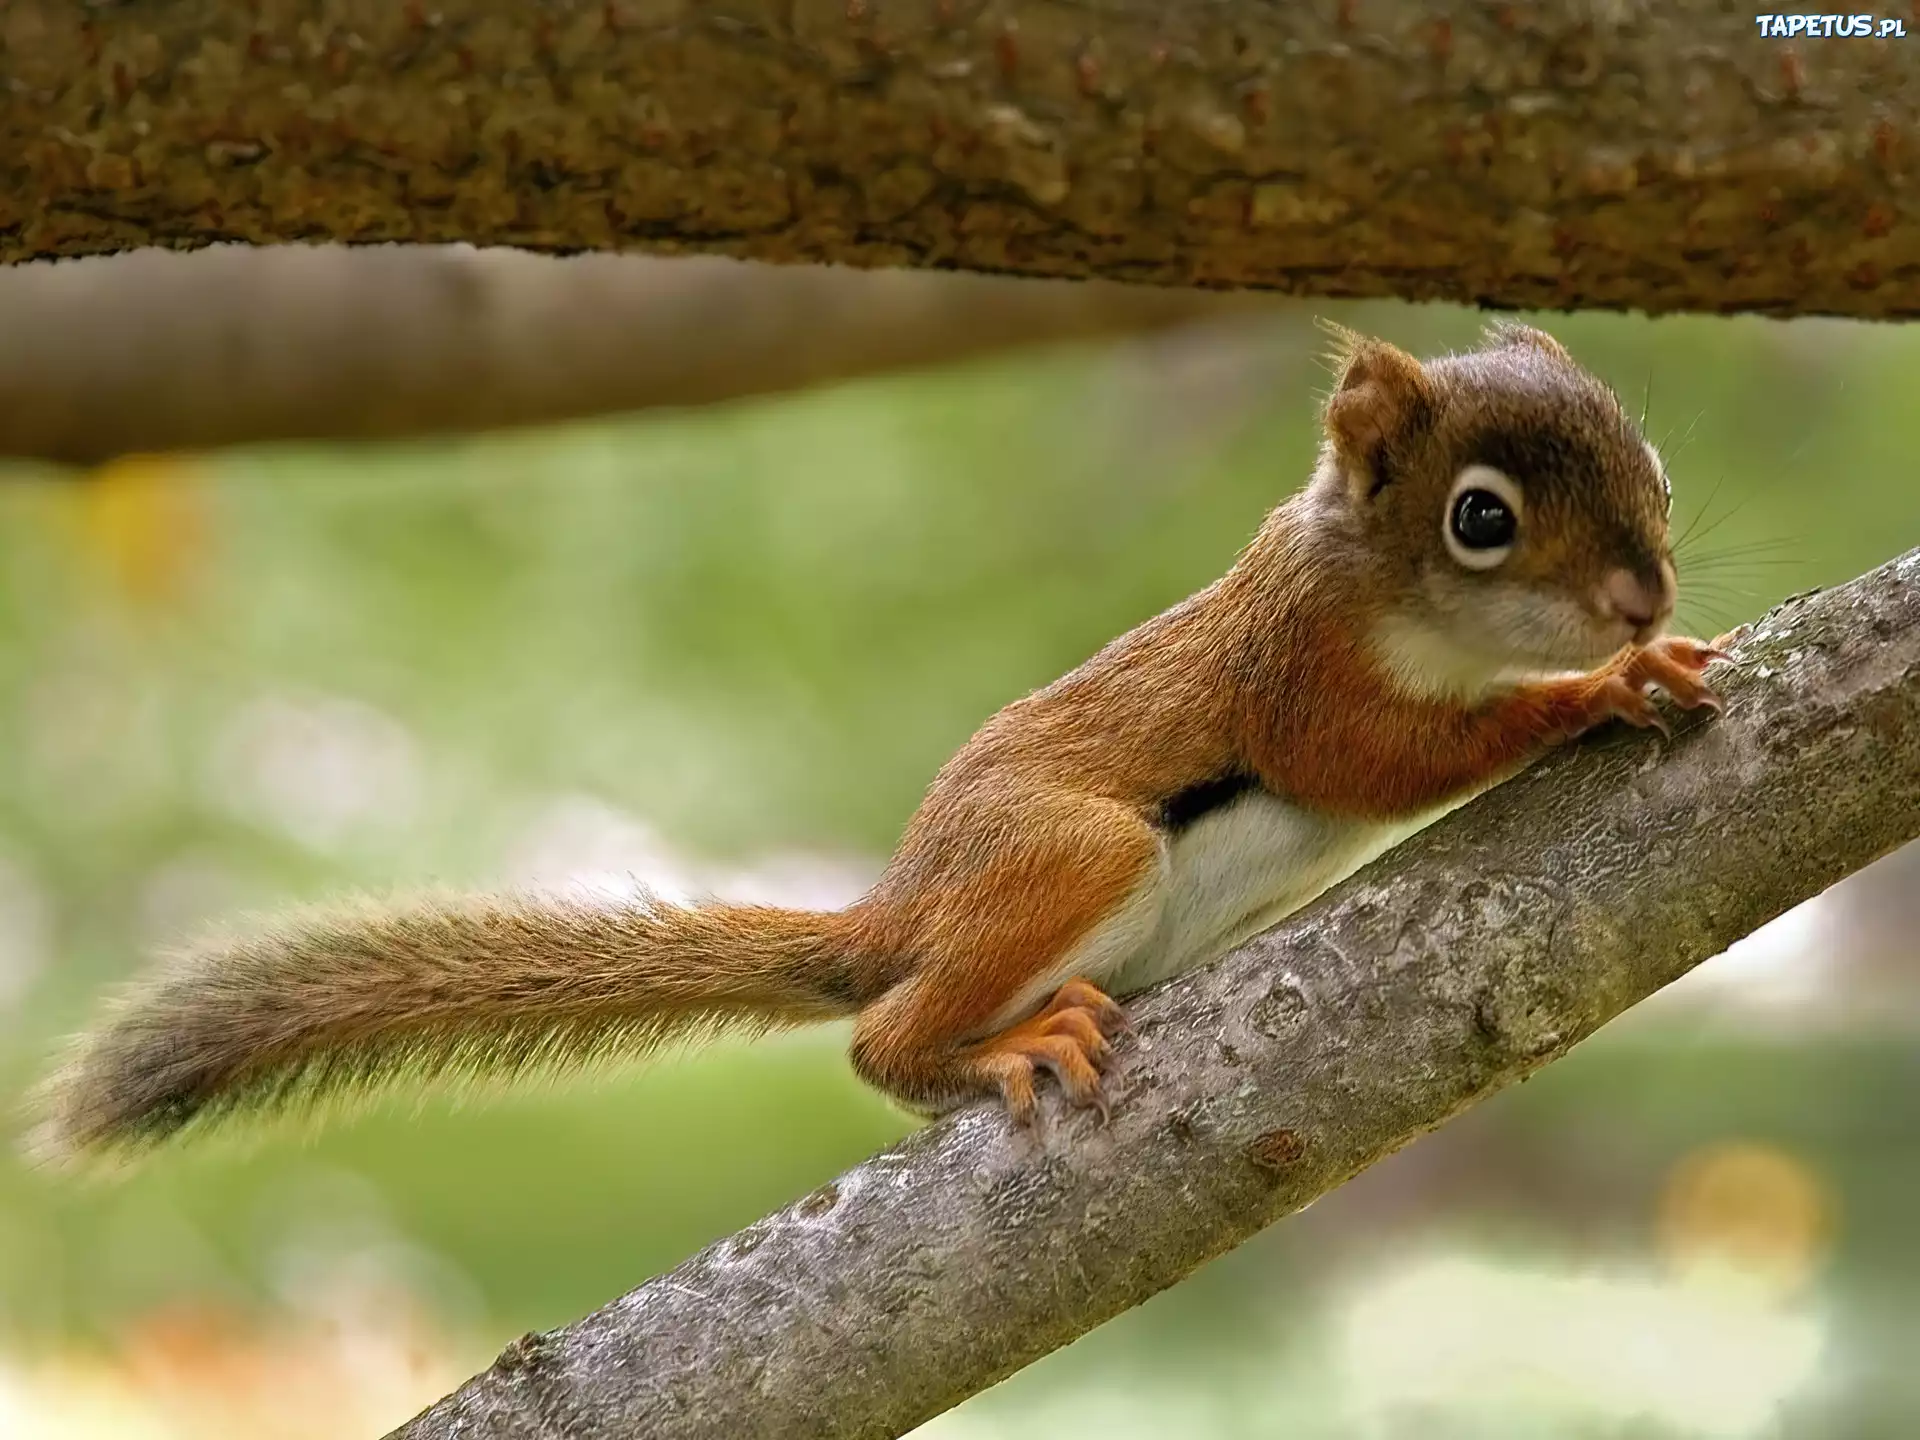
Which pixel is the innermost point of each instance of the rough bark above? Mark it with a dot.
(1480, 950)
(164, 351)
(1621, 154)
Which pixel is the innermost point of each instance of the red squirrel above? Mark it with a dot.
(1478, 568)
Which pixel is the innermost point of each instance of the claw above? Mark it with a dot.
(1674, 665)
(1068, 1039)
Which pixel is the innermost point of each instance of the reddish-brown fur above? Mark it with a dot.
(1041, 826)
(1049, 820)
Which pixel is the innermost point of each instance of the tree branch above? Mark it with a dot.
(1478, 951)
(163, 351)
(1662, 157)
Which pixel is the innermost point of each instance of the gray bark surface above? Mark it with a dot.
(1483, 948)
(1665, 157)
(158, 350)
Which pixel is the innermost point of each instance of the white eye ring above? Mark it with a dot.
(1497, 482)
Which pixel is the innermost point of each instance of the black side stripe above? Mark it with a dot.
(1180, 810)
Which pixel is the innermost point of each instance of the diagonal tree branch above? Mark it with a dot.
(1478, 951)
(1658, 156)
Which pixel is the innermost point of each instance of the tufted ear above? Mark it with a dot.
(1501, 334)
(1382, 392)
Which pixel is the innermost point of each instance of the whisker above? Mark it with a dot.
(1755, 565)
(1711, 584)
(1683, 439)
(1718, 577)
(1714, 601)
(1687, 438)
(1701, 513)
(1752, 547)
(1762, 556)
(1696, 539)
(1697, 596)
(1757, 571)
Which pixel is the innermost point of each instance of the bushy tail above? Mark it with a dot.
(328, 1003)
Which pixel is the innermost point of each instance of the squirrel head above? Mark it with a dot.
(1517, 513)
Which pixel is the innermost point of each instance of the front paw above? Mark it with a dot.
(1674, 664)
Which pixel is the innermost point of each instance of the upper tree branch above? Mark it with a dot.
(163, 351)
(1478, 951)
(1659, 156)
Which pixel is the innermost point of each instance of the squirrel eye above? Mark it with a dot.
(1483, 517)
(1482, 521)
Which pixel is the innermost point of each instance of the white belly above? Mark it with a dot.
(1234, 872)
(1226, 877)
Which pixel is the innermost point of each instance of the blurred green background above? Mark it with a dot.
(728, 649)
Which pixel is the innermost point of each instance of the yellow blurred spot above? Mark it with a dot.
(142, 518)
(1746, 1213)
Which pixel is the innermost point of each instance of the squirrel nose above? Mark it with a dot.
(1640, 600)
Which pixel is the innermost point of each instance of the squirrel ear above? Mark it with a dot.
(1500, 334)
(1382, 391)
